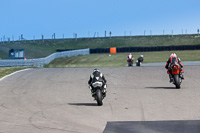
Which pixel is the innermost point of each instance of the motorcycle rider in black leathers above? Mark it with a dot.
(140, 59)
(97, 73)
(173, 58)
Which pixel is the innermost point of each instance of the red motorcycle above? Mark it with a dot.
(175, 71)
(130, 61)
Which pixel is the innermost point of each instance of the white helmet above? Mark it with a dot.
(141, 55)
(173, 55)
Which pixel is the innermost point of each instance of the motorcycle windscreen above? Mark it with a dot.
(97, 84)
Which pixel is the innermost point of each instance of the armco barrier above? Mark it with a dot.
(42, 61)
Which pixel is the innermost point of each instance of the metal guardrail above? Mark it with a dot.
(40, 62)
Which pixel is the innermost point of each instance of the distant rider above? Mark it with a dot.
(130, 57)
(93, 79)
(140, 59)
(173, 58)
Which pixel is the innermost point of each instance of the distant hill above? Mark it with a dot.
(43, 48)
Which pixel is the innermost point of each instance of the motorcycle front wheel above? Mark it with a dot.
(99, 97)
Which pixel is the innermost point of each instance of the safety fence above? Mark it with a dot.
(40, 62)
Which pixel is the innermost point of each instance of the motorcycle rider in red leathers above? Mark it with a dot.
(130, 58)
(173, 57)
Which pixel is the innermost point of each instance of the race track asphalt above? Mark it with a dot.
(57, 100)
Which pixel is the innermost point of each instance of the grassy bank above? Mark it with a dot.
(119, 59)
(8, 70)
(40, 48)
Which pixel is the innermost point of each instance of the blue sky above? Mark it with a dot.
(34, 18)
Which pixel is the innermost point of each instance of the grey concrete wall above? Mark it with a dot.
(40, 62)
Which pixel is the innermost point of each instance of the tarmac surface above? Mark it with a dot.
(58, 100)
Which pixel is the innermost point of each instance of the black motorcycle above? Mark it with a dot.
(139, 62)
(98, 92)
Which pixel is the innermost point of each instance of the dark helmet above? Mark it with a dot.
(96, 70)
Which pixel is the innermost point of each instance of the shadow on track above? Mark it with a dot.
(161, 87)
(83, 104)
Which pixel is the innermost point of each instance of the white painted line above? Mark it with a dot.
(14, 73)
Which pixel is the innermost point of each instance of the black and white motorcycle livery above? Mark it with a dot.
(98, 91)
(98, 86)
(139, 61)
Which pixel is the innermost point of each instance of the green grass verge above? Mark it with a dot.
(119, 59)
(8, 70)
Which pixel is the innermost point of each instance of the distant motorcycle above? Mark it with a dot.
(130, 61)
(98, 92)
(175, 70)
(139, 61)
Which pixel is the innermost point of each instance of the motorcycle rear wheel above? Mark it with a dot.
(177, 81)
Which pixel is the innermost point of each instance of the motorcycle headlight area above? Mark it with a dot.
(97, 84)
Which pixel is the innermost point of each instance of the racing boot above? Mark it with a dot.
(181, 75)
(92, 93)
(170, 78)
(104, 91)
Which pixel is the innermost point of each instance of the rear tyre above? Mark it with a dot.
(177, 81)
(99, 97)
